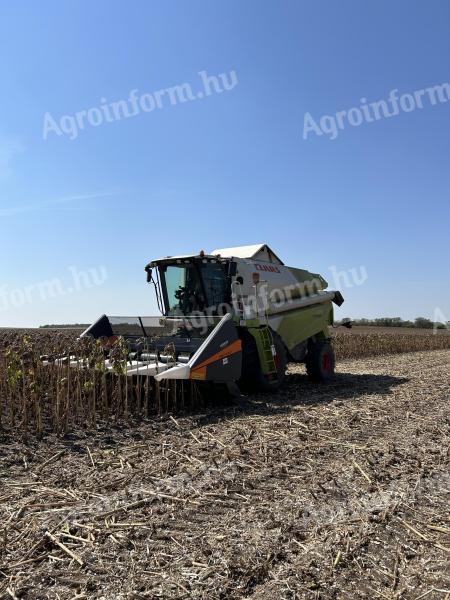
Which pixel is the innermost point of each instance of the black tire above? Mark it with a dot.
(320, 361)
(251, 369)
(253, 379)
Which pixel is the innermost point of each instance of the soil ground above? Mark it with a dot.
(319, 491)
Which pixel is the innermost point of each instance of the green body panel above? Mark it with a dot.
(298, 325)
(294, 327)
(310, 283)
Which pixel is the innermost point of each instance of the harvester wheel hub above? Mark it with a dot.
(326, 362)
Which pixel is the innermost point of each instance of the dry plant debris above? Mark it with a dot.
(330, 492)
(36, 397)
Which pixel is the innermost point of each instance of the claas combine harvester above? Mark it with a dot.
(235, 316)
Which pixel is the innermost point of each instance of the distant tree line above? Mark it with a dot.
(420, 323)
(65, 326)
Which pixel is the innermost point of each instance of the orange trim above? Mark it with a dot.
(198, 374)
(232, 348)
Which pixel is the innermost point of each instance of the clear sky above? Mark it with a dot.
(228, 168)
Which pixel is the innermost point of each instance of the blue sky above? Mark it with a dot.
(226, 169)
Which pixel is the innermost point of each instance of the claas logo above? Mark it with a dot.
(270, 268)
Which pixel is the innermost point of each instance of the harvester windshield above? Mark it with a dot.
(194, 286)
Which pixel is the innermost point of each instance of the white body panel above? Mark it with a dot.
(278, 290)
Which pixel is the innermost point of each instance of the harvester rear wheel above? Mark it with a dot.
(253, 379)
(320, 361)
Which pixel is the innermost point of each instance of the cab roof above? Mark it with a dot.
(261, 252)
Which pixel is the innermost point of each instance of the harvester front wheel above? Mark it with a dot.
(320, 361)
(253, 379)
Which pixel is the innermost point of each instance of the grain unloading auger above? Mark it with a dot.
(235, 316)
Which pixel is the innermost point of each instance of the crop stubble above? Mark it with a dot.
(337, 491)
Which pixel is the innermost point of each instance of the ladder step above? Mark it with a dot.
(267, 348)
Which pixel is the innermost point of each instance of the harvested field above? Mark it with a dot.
(319, 491)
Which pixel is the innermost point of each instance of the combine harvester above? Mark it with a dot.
(235, 317)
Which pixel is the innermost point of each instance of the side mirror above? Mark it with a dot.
(149, 274)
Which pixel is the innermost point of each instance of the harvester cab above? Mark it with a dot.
(235, 316)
